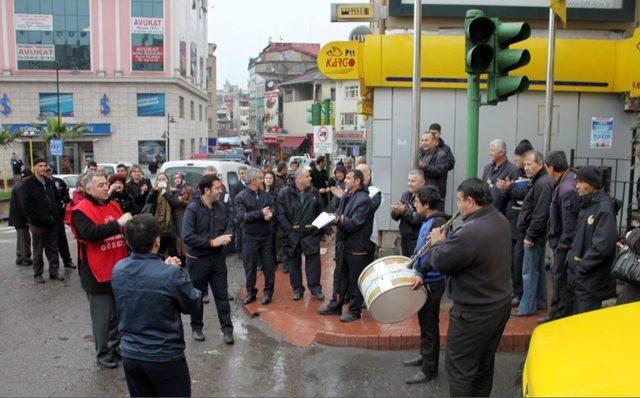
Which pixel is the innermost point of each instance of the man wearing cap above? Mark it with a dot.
(18, 220)
(39, 203)
(594, 246)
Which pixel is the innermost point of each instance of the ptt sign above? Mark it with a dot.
(340, 60)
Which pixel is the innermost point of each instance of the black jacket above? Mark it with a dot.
(125, 201)
(150, 296)
(201, 224)
(477, 261)
(515, 196)
(295, 217)
(410, 220)
(248, 206)
(563, 214)
(451, 160)
(436, 169)
(17, 215)
(594, 246)
(532, 221)
(88, 231)
(62, 189)
(40, 202)
(235, 189)
(139, 198)
(280, 182)
(354, 233)
(16, 166)
(491, 175)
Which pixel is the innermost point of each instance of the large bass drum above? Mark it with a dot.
(386, 287)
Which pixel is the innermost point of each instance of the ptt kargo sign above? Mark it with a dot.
(152, 26)
(340, 59)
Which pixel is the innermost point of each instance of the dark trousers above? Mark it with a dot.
(311, 269)
(63, 244)
(517, 256)
(586, 302)
(45, 239)
(472, 342)
(104, 325)
(429, 320)
(279, 242)
(561, 303)
(168, 246)
(211, 271)
(23, 246)
(157, 379)
(258, 249)
(355, 264)
(407, 246)
(340, 279)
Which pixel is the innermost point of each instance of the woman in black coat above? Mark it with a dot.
(163, 204)
(138, 188)
(630, 292)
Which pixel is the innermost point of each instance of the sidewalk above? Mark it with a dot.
(299, 324)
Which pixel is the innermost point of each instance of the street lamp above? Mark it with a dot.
(30, 135)
(170, 119)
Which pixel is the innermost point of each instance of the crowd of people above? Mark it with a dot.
(148, 253)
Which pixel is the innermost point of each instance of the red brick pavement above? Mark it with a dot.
(299, 324)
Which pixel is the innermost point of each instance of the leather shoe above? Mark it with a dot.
(349, 317)
(117, 355)
(545, 319)
(417, 361)
(108, 363)
(249, 299)
(38, 279)
(228, 338)
(198, 335)
(29, 263)
(419, 377)
(297, 296)
(319, 295)
(266, 299)
(70, 265)
(329, 310)
(56, 277)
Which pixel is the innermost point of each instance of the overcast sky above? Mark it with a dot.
(241, 29)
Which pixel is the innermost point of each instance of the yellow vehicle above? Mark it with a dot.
(591, 354)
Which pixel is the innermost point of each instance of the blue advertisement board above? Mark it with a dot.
(150, 104)
(49, 104)
(93, 129)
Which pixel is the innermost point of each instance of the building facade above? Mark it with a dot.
(212, 104)
(133, 70)
(350, 132)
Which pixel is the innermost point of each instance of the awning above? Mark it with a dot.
(292, 142)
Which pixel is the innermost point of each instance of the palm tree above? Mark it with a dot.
(56, 129)
(6, 139)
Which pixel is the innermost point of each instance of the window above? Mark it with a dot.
(348, 119)
(288, 96)
(181, 106)
(60, 33)
(182, 149)
(193, 111)
(147, 35)
(210, 124)
(333, 93)
(351, 92)
(193, 145)
(200, 111)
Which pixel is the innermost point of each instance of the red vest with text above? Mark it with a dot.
(103, 255)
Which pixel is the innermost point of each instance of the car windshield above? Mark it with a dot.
(193, 174)
(72, 181)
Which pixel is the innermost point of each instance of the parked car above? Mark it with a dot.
(591, 354)
(304, 160)
(194, 169)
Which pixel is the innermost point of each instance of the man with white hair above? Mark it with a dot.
(500, 168)
(360, 160)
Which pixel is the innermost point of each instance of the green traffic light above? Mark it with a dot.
(479, 58)
(508, 33)
(479, 32)
(509, 60)
(314, 117)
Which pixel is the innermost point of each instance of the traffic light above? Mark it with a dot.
(501, 85)
(327, 112)
(478, 39)
(314, 114)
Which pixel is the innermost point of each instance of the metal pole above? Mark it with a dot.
(548, 107)
(168, 142)
(473, 120)
(31, 151)
(59, 121)
(417, 42)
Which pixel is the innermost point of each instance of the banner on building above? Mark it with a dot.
(150, 104)
(601, 132)
(270, 138)
(49, 104)
(41, 22)
(270, 119)
(147, 54)
(152, 151)
(147, 26)
(36, 52)
(322, 140)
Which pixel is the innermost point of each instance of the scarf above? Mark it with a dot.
(163, 215)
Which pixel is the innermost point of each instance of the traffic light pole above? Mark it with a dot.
(417, 82)
(473, 120)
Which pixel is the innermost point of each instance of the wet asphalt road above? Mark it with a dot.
(46, 349)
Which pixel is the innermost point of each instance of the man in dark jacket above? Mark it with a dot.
(436, 129)
(515, 190)
(281, 176)
(254, 210)
(97, 224)
(500, 168)
(434, 162)
(405, 211)
(150, 295)
(319, 178)
(563, 216)
(532, 223)
(476, 259)
(207, 228)
(18, 220)
(16, 167)
(234, 190)
(297, 206)
(594, 247)
(62, 190)
(40, 204)
(352, 246)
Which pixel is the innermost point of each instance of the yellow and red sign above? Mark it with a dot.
(341, 59)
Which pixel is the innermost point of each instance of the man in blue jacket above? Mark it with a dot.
(150, 295)
(207, 227)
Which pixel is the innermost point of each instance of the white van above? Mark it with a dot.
(194, 169)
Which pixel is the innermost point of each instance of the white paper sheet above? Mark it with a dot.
(323, 219)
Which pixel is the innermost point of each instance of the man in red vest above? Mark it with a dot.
(97, 223)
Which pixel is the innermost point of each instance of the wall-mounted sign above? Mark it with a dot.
(105, 109)
(270, 119)
(340, 59)
(601, 132)
(5, 109)
(147, 54)
(270, 138)
(36, 52)
(352, 12)
(93, 129)
(150, 104)
(152, 26)
(41, 22)
(49, 104)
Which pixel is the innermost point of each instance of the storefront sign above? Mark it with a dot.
(340, 59)
(56, 147)
(36, 52)
(270, 138)
(322, 139)
(601, 132)
(151, 26)
(150, 104)
(147, 54)
(270, 119)
(93, 129)
(352, 12)
(350, 135)
(49, 104)
(41, 22)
